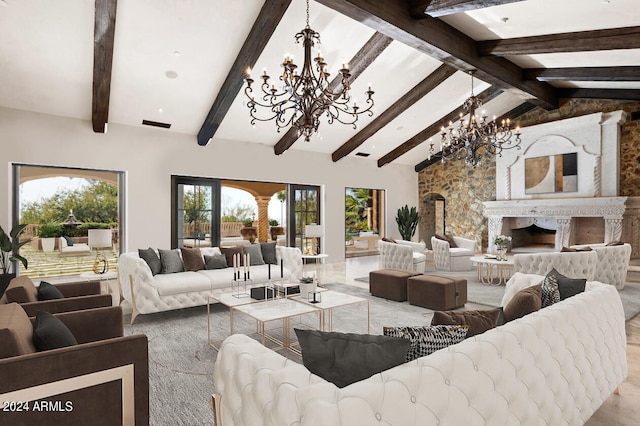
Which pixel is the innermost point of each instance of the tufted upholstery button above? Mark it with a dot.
(378, 416)
(413, 399)
(446, 382)
(475, 367)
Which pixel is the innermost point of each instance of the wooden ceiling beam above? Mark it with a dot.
(445, 43)
(619, 94)
(414, 141)
(361, 60)
(103, 36)
(401, 105)
(264, 26)
(583, 41)
(436, 8)
(584, 74)
(512, 115)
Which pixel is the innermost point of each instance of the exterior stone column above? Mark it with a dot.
(612, 229)
(495, 229)
(263, 217)
(563, 232)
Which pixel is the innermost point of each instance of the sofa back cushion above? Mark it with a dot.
(16, 331)
(21, 290)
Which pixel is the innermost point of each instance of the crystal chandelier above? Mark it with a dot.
(473, 137)
(303, 97)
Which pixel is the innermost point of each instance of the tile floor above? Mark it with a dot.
(618, 410)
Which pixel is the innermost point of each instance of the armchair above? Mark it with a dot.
(450, 258)
(77, 296)
(612, 264)
(104, 380)
(403, 255)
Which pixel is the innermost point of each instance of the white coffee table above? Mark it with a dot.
(332, 299)
(273, 310)
(492, 271)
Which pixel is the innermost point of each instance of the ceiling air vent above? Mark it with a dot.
(362, 154)
(156, 124)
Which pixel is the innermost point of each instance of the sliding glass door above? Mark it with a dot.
(195, 212)
(304, 209)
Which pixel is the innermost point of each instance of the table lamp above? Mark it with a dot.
(100, 238)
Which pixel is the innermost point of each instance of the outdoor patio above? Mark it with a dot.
(51, 264)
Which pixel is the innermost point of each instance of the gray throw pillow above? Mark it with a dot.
(47, 291)
(217, 261)
(428, 339)
(149, 255)
(269, 253)
(171, 261)
(255, 254)
(51, 333)
(345, 358)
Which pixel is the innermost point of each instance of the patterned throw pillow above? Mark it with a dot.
(550, 291)
(428, 339)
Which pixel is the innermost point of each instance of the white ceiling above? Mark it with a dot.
(46, 62)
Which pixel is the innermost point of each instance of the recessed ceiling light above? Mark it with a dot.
(171, 74)
(176, 53)
(160, 110)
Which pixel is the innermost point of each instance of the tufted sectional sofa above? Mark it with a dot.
(164, 292)
(573, 265)
(552, 367)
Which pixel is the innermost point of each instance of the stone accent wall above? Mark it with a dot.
(465, 187)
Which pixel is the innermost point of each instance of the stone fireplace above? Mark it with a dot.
(592, 212)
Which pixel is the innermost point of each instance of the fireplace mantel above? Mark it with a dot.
(562, 210)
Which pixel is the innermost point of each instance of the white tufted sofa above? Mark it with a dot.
(403, 255)
(553, 367)
(164, 292)
(573, 264)
(613, 263)
(453, 259)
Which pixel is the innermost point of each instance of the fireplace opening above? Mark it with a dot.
(532, 238)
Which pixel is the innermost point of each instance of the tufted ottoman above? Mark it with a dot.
(438, 292)
(390, 283)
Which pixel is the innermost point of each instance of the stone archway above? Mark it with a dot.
(432, 217)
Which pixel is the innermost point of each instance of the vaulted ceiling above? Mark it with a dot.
(181, 63)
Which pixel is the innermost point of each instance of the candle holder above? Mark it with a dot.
(314, 297)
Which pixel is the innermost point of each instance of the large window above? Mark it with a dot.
(304, 210)
(196, 212)
(364, 220)
(59, 202)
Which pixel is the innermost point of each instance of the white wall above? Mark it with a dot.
(150, 156)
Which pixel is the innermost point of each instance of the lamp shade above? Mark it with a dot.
(99, 238)
(313, 231)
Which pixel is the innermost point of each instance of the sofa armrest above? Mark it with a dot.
(98, 383)
(93, 324)
(55, 306)
(79, 289)
(465, 243)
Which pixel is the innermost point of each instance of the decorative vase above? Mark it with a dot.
(306, 288)
(502, 253)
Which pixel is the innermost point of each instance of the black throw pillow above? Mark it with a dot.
(149, 255)
(269, 253)
(345, 358)
(51, 333)
(47, 291)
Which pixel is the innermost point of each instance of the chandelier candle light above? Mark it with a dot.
(475, 136)
(303, 97)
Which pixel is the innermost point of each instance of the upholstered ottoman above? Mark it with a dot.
(437, 292)
(389, 283)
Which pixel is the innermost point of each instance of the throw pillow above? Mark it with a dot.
(192, 259)
(570, 286)
(47, 291)
(51, 333)
(428, 339)
(217, 261)
(269, 253)
(229, 252)
(171, 261)
(478, 321)
(614, 243)
(149, 255)
(69, 241)
(255, 254)
(524, 302)
(390, 240)
(567, 250)
(549, 291)
(345, 358)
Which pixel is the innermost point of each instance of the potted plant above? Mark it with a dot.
(407, 220)
(9, 247)
(48, 233)
(275, 229)
(249, 232)
(307, 285)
